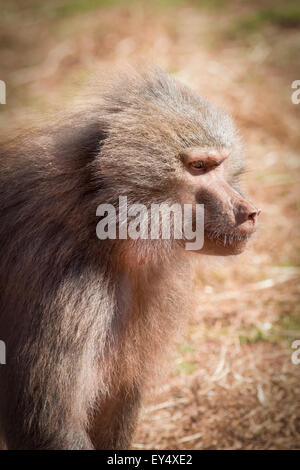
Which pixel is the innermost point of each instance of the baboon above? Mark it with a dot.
(83, 319)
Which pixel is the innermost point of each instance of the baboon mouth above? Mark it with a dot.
(227, 238)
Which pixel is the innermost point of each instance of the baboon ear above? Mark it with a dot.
(78, 144)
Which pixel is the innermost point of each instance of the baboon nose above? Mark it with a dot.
(253, 215)
(246, 213)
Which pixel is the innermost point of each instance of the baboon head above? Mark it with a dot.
(165, 144)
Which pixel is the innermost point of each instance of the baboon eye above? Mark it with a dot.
(197, 165)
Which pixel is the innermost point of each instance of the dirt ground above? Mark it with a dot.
(231, 383)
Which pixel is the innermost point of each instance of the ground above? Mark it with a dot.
(231, 382)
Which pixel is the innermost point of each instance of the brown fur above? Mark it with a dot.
(84, 319)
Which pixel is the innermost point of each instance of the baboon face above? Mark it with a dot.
(229, 218)
(168, 145)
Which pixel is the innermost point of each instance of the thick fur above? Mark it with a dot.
(84, 319)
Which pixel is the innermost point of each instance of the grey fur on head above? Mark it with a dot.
(149, 117)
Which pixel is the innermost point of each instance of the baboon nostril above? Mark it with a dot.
(254, 214)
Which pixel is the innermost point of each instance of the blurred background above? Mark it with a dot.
(230, 383)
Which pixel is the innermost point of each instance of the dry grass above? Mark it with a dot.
(231, 383)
